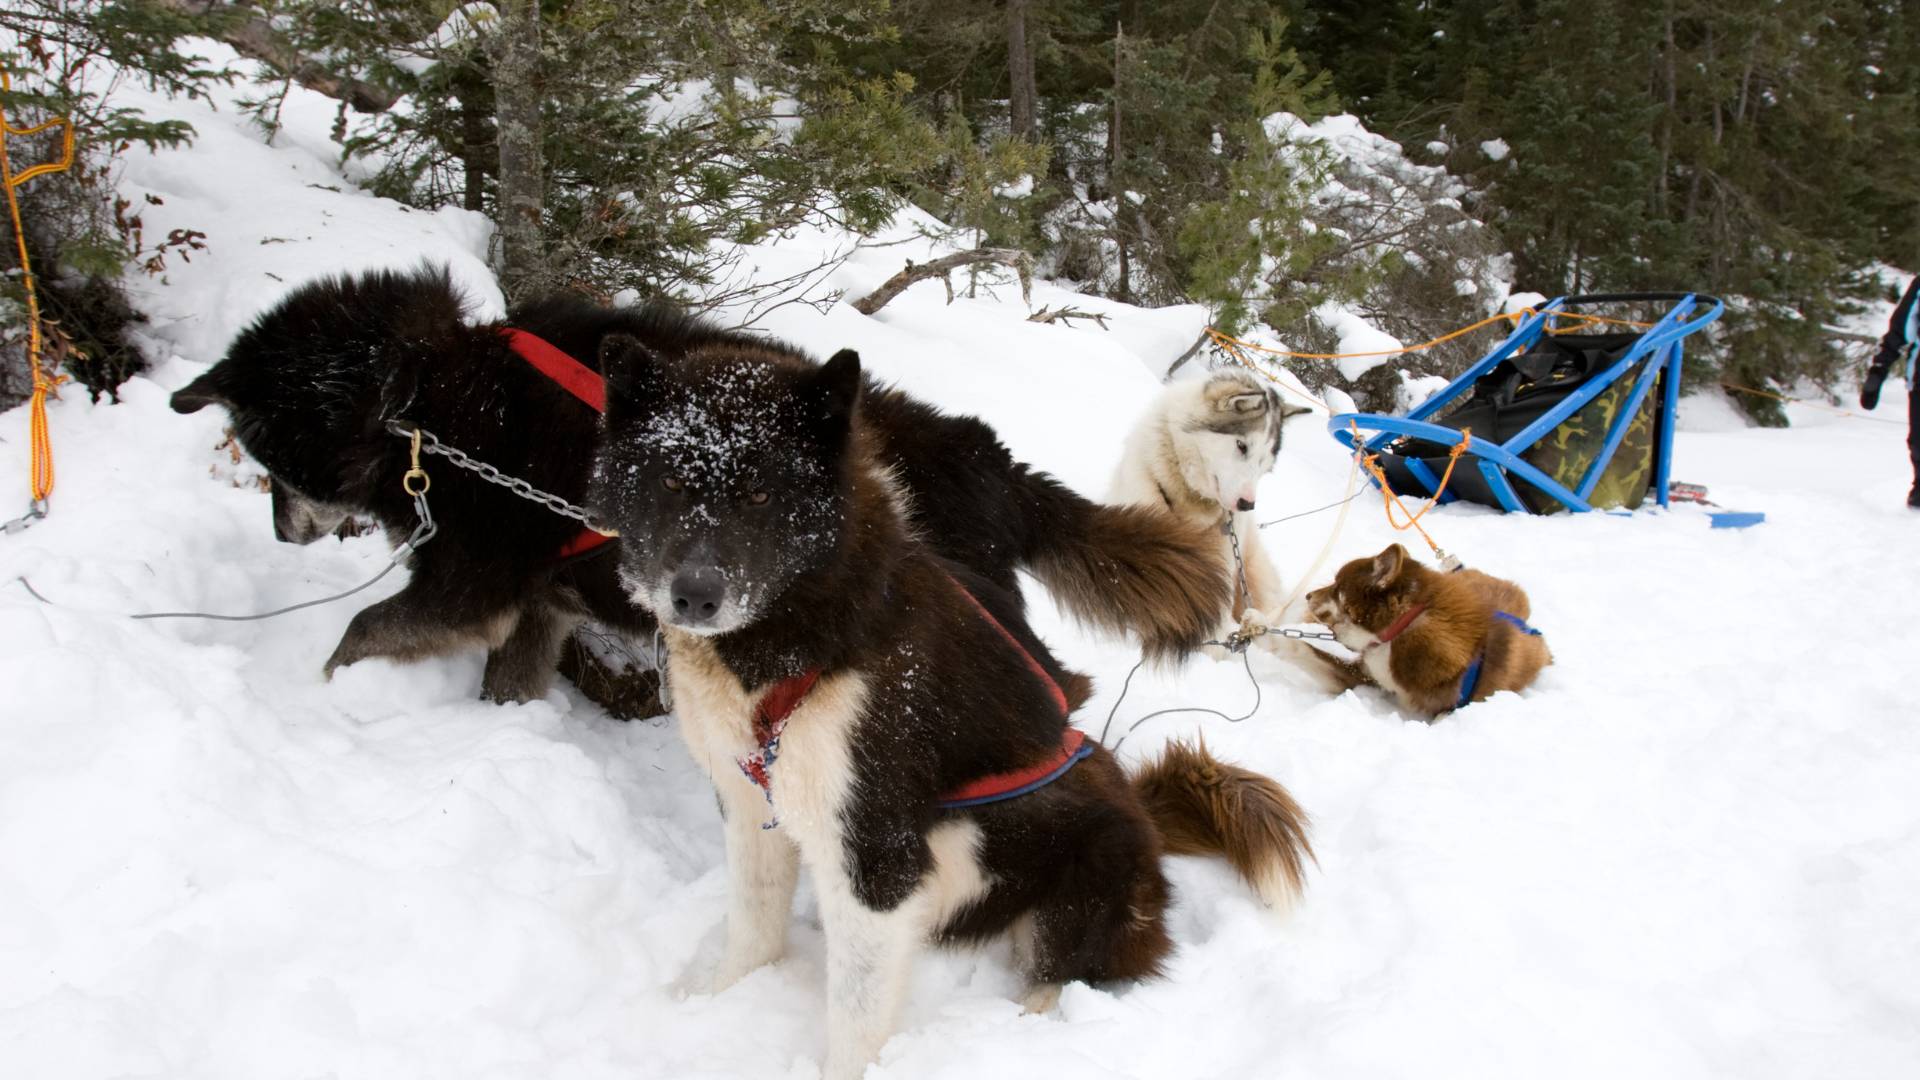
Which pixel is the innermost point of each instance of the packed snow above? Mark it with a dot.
(1689, 850)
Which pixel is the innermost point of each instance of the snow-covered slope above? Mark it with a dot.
(1688, 851)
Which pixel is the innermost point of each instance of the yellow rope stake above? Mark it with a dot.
(41, 478)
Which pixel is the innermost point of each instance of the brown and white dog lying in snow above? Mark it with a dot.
(1199, 453)
(1436, 640)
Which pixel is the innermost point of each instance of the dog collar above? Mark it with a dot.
(1404, 621)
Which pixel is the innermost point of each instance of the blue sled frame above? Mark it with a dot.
(1496, 461)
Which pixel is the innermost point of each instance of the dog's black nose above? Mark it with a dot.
(1245, 504)
(697, 594)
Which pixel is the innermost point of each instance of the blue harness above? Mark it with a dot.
(1472, 677)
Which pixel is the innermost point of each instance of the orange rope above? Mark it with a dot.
(1810, 404)
(1389, 499)
(41, 470)
(1228, 343)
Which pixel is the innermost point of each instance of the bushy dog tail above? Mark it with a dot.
(1204, 806)
(1132, 568)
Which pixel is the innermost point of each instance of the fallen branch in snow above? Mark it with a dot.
(940, 268)
(1067, 314)
(254, 37)
(1193, 350)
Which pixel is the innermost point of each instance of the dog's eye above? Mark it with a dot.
(1241, 445)
(672, 483)
(757, 498)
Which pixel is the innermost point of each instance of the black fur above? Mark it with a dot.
(310, 387)
(311, 384)
(949, 698)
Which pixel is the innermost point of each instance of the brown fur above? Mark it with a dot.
(1204, 806)
(627, 691)
(1134, 568)
(1426, 662)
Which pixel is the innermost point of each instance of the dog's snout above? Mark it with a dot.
(696, 594)
(1245, 504)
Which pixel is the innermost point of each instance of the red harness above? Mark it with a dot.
(575, 378)
(779, 702)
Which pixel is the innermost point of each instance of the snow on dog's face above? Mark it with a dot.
(1234, 438)
(723, 472)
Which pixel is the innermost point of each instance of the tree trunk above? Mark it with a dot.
(516, 106)
(476, 142)
(1117, 182)
(1022, 105)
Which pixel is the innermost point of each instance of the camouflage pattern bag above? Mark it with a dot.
(1566, 452)
(1524, 388)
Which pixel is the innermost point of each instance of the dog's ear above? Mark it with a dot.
(199, 394)
(828, 398)
(1287, 409)
(629, 368)
(1245, 404)
(1387, 564)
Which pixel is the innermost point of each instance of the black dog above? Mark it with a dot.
(313, 384)
(889, 709)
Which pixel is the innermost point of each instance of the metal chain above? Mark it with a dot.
(492, 475)
(1238, 642)
(1240, 568)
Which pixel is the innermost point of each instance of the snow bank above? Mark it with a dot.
(1692, 850)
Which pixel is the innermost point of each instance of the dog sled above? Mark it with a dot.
(1553, 418)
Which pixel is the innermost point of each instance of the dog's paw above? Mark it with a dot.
(734, 967)
(1040, 998)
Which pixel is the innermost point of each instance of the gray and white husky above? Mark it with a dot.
(1199, 453)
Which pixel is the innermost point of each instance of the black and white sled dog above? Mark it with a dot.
(312, 385)
(1198, 454)
(879, 713)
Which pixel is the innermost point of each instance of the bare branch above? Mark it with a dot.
(1066, 314)
(255, 38)
(940, 268)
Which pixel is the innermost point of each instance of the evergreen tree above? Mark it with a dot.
(63, 57)
(625, 145)
(1750, 149)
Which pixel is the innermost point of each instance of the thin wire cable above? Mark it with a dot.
(1308, 513)
(1245, 661)
(427, 526)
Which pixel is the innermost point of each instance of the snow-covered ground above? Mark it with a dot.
(1692, 849)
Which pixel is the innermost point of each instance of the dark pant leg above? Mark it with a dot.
(1913, 440)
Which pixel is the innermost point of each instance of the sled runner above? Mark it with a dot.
(1551, 421)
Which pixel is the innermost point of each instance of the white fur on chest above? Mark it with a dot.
(1378, 660)
(1375, 656)
(811, 776)
(812, 781)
